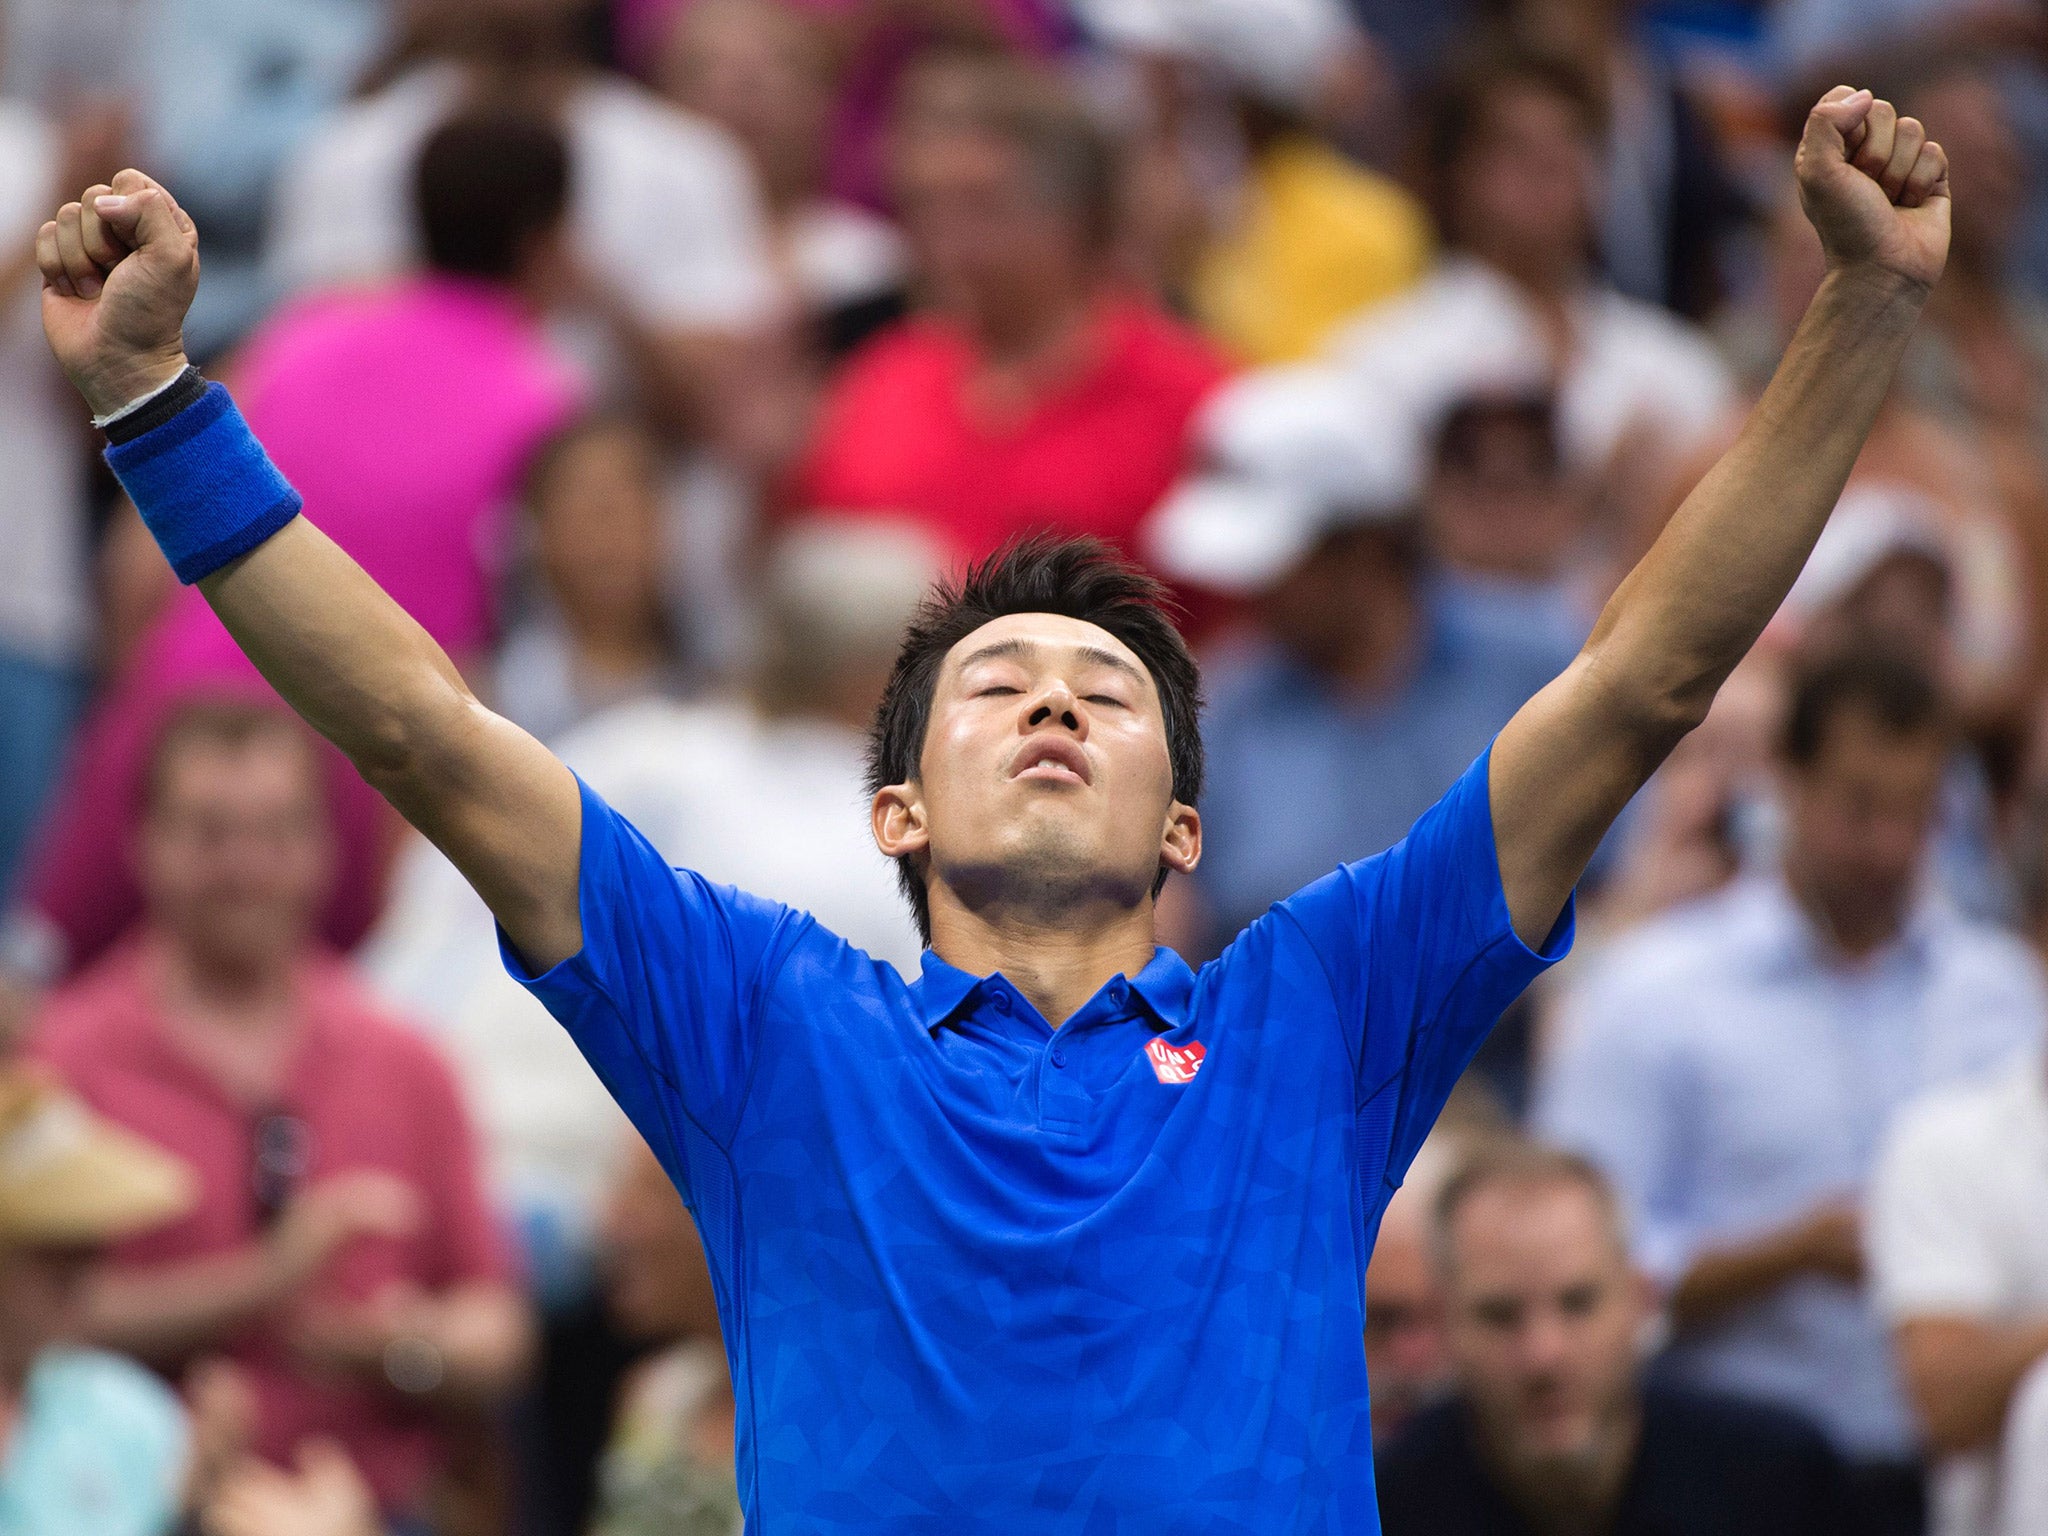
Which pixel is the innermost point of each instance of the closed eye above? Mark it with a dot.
(996, 692)
(1103, 698)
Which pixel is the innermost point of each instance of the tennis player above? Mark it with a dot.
(1062, 1236)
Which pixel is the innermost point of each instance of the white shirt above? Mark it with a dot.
(1958, 1226)
(663, 204)
(777, 808)
(1466, 329)
(45, 612)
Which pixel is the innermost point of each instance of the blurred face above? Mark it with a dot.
(1346, 598)
(1522, 195)
(991, 245)
(1858, 820)
(597, 529)
(656, 1281)
(1045, 785)
(1404, 1340)
(1988, 174)
(235, 853)
(40, 1299)
(1503, 506)
(746, 65)
(1544, 1317)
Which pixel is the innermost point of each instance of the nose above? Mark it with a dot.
(1054, 705)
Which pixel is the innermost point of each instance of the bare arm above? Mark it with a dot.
(119, 271)
(1570, 760)
(1828, 1242)
(1961, 1373)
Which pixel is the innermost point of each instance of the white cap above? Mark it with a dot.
(1277, 49)
(1870, 525)
(1292, 453)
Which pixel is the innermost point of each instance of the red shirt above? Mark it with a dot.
(1094, 454)
(372, 1094)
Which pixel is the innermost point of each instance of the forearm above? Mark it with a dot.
(167, 1314)
(1697, 602)
(486, 1339)
(1961, 1374)
(1721, 1279)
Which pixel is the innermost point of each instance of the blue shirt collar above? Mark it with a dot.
(1786, 938)
(1163, 987)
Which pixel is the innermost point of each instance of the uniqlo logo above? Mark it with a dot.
(1175, 1063)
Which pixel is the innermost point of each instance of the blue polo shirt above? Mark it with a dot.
(978, 1274)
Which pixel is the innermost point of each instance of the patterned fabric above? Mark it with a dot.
(976, 1273)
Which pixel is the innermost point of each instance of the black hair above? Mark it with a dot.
(1080, 578)
(1876, 681)
(1461, 99)
(487, 183)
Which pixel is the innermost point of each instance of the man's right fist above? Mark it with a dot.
(120, 267)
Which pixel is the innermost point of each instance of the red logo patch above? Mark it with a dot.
(1175, 1063)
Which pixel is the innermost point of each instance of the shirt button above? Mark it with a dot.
(1000, 1002)
(1119, 992)
(1059, 1057)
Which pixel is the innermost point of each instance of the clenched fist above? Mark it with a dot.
(120, 267)
(1875, 187)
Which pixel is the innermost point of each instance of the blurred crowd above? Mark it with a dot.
(655, 354)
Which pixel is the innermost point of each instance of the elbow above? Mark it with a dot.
(407, 743)
(1654, 712)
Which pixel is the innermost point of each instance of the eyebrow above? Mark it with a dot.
(1019, 650)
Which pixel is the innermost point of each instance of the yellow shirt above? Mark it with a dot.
(1322, 238)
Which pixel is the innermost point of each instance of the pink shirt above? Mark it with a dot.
(405, 416)
(373, 1095)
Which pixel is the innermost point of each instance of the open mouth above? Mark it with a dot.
(1052, 761)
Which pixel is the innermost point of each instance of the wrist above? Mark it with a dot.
(1870, 281)
(111, 389)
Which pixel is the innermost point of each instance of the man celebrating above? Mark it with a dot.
(1062, 1237)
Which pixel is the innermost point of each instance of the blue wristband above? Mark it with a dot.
(204, 486)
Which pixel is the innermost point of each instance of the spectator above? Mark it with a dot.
(668, 247)
(1554, 1428)
(1405, 1364)
(322, 1495)
(1309, 237)
(598, 635)
(762, 790)
(1665, 203)
(45, 605)
(762, 71)
(405, 416)
(1507, 524)
(1958, 1252)
(669, 1468)
(1513, 142)
(341, 1253)
(1359, 699)
(1035, 392)
(88, 1442)
(1733, 1065)
(875, 43)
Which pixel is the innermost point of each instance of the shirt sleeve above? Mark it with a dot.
(665, 999)
(1422, 959)
(1926, 1239)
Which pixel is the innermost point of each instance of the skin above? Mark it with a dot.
(1405, 1361)
(597, 537)
(1506, 510)
(1544, 1318)
(1522, 194)
(1857, 824)
(40, 1302)
(120, 267)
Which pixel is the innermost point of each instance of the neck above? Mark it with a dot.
(1035, 336)
(253, 996)
(1571, 1497)
(1852, 933)
(1057, 962)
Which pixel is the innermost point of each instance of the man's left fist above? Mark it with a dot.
(1875, 187)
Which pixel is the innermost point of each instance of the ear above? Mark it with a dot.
(897, 817)
(1180, 849)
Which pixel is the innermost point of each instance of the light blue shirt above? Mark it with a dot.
(1301, 778)
(1730, 1075)
(100, 1447)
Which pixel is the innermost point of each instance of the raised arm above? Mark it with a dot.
(119, 270)
(1877, 192)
